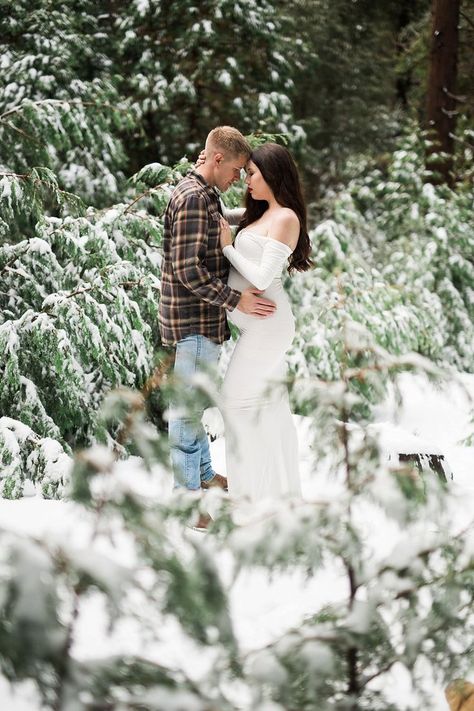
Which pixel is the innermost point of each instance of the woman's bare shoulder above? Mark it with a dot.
(286, 216)
(285, 227)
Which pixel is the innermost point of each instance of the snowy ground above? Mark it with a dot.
(262, 608)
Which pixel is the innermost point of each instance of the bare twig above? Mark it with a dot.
(378, 673)
(21, 131)
(13, 260)
(467, 18)
(145, 194)
(15, 175)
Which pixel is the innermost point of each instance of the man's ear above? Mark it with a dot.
(218, 158)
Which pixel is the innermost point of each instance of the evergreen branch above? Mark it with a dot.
(13, 260)
(129, 207)
(360, 374)
(27, 177)
(81, 291)
(65, 662)
(463, 141)
(15, 175)
(21, 131)
(124, 284)
(460, 99)
(152, 383)
(17, 271)
(325, 638)
(450, 114)
(145, 194)
(56, 102)
(425, 552)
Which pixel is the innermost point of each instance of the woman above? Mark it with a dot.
(261, 441)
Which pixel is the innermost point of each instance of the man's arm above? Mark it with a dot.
(188, 251)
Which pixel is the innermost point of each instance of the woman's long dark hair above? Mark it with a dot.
(281, 175)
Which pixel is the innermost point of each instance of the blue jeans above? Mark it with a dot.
(190, 454)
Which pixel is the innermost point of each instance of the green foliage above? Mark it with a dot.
(404, 604)
(394, 257)
(427, 241)
(26, 456)
(192, 62)
(59, 107)
(79, 317)
(88, 92)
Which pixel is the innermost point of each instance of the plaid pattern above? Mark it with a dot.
(194, 291)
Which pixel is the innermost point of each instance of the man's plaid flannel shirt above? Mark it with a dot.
(194, 291)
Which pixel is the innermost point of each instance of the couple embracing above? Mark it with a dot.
(206, 280)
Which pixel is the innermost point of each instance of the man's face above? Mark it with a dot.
(227, 170)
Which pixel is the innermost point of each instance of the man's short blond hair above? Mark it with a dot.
(228, 140)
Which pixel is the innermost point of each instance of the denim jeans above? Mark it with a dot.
(190, 453)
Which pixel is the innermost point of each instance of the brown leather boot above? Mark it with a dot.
(203, 523)
(460, 695)
(217, 480)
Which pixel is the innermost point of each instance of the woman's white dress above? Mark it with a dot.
(261, 440)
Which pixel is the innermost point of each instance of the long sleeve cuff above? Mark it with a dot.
(233, 299)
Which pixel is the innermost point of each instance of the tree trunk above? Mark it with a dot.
(403, 81)
(441, 103)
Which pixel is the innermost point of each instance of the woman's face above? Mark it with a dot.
(256, 184)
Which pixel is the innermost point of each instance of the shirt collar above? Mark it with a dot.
(210, 190)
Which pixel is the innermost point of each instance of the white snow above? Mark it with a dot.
(262, 607)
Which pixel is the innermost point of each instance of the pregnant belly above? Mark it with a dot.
(277, 330)
(237, 281)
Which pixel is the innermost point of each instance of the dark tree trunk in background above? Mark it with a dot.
(403, 81)
(441, 101)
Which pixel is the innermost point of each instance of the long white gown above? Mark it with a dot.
(261, 439)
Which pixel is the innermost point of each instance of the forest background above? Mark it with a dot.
(103, 107)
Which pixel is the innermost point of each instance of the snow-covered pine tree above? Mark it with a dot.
(187, 65)
(400, 596)
(79, 297)
(79, 287)
(353, 278)
(59, 107)
(393, 253)
(79, 306)
(424, 239)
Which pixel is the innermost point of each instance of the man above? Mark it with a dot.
(195, 294)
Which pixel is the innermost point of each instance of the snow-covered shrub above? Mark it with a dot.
(79, 305)
(421, 240)
(59, 104)
(79, 316)
(394, 255)
(47, 580)
(401, 599)
(25, 456)
(344, 285)
(398, 558)
(178, 95)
